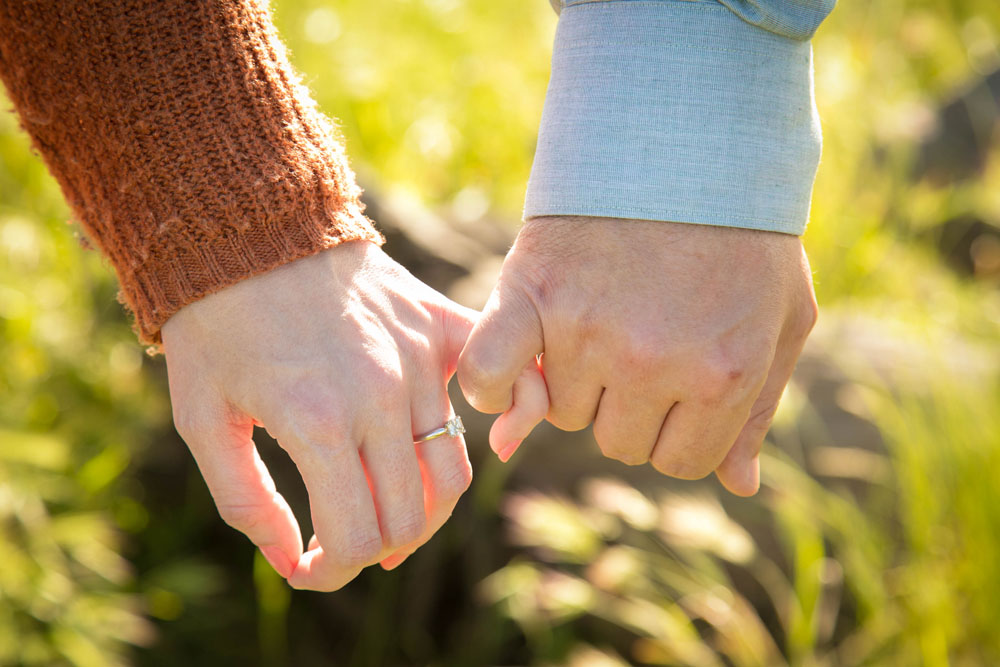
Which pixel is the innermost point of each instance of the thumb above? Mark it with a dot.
(506, 338)
(458, 324)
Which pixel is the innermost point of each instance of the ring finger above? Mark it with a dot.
(444, 463)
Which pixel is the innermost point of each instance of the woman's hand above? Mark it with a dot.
(343, 357)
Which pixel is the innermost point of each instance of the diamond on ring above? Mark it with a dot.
(455, 426)
(452, 427)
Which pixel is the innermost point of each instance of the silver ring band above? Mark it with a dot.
(452, 427)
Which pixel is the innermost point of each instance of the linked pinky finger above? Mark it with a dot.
(529, 406)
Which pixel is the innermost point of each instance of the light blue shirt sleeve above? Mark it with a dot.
(697, 111)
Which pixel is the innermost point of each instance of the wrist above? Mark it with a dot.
(166, 288)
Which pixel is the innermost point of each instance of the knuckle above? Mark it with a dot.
(406, 529)
(681, 467)
(567, 421)
(477, 375)
(244, 517)
(760, 420)
(418, 351)
(583, 321)
(721, 376)
(199, 417)
(385, 389)
(315, 409)
(306, 394)
(626, 455)
(360, 550)
(808, 315)
(455, 480)
(186, 423)
(645, 354)
(617, 448)
(320, 423)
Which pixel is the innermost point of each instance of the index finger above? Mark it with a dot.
(240, 484)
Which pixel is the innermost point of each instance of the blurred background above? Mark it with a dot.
(874, 541)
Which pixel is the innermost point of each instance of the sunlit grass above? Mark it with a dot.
(901, 571)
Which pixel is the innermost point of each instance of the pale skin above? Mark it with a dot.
(675, 340)
(343, 357)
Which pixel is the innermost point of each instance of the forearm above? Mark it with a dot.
(182, 140)
(686, 111)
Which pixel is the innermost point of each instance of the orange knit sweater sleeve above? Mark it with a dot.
(182, 139)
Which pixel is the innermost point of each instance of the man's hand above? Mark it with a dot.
(342, 356)
(675, 340)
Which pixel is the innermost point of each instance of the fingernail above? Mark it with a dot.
(505, 452)
(281, 563)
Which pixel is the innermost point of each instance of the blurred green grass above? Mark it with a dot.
(850, 555)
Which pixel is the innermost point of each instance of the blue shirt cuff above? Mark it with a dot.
(676, 110)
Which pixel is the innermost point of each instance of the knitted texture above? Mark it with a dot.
(182, 139)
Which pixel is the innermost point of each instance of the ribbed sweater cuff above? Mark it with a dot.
(677, 111)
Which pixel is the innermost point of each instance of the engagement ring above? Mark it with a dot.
(453, 427)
